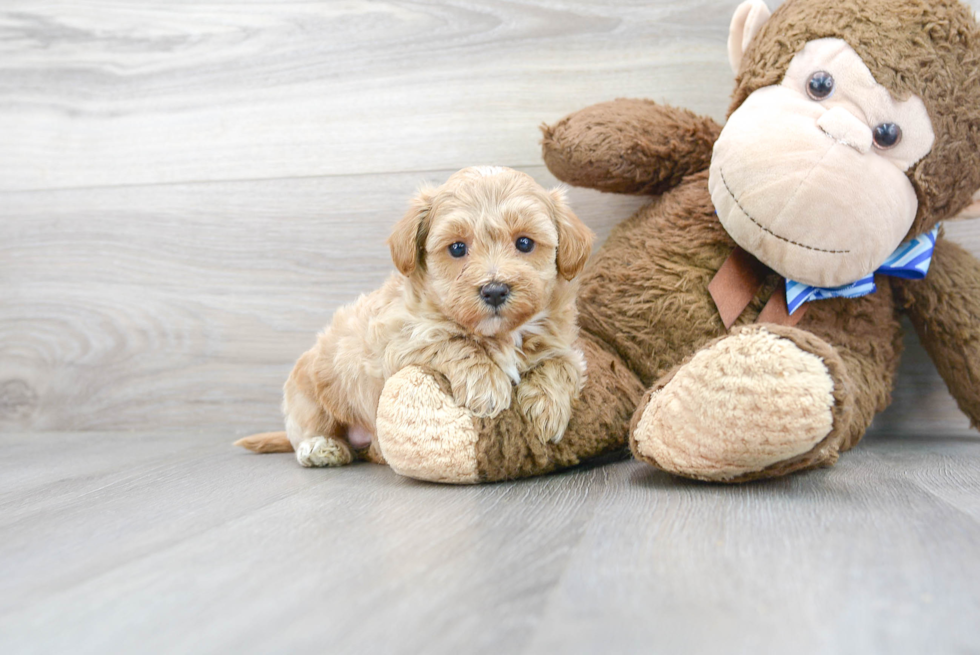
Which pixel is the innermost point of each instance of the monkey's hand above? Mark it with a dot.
(945, 310)
(629, 146)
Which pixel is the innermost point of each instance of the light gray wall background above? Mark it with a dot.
(189, 189)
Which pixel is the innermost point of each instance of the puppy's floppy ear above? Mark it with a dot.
(407, 240)
(574, 238)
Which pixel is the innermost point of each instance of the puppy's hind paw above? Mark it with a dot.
(319, 452)
(548, 415)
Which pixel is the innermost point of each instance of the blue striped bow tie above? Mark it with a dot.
(911, 261)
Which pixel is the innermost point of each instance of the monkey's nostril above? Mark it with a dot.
(495, 293)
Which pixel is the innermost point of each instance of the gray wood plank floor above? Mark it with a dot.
(188, 190)
(173, 543)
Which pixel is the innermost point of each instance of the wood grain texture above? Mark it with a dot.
(101, 93)
(186, 305)
(159, 543)
(189, 190)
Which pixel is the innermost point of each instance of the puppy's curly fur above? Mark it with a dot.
(470, 300)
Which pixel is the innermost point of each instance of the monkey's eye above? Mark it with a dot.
(524, 244)
(820, 86)
(458, 249)
(887, 135)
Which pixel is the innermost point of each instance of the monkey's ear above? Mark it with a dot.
(749, 18)
(407, 240)
(574, 238)
(973, 210)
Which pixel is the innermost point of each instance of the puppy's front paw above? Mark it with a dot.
(485, 390)
(322, 451)
(548, 412)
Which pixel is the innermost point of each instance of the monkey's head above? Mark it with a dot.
(855, 125)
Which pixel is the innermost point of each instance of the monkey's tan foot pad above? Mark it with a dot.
(318, 452)
(423, 433)
(741, 405)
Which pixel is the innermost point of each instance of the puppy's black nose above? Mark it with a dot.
(495, 293)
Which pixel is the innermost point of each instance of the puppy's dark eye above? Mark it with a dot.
(820, 86)
(524, 244)
(887, 135)
(458, 249)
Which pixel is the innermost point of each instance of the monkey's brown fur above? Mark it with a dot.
(644, 305)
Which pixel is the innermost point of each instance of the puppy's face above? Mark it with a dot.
(489, 247)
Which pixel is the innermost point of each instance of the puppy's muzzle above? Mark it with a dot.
(495, 293)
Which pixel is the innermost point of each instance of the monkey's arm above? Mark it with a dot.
(629, 146)
(945, 310)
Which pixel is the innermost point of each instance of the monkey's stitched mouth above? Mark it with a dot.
(766, 229)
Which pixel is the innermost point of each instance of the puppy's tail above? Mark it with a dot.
(267, 442)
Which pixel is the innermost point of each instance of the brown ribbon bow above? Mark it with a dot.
(735, 284)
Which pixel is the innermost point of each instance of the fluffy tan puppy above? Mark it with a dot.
(484, 294)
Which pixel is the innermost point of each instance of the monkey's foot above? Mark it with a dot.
(753, 404)
(423, 433)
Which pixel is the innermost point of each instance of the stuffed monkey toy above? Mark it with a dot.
(745, 323)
